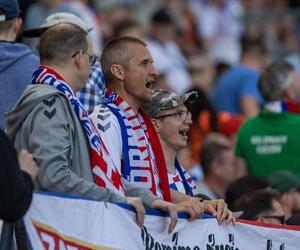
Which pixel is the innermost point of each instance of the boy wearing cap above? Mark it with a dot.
(17, 61)
(172, 120)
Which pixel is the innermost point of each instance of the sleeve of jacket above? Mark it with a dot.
(50, 143)
(135, 191)
(15, 185)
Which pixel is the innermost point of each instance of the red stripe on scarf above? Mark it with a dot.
(292, 107)
(158, 155)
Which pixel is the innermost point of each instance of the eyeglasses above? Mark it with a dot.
(280, 218)
(180, 114)
(93, 59)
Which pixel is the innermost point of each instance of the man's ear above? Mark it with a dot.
(117, 71)
(77, 59)
(17, 25)
(156, 124)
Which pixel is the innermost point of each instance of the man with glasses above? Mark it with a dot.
(172, 120)
(262, 206)
(51, 122)
(90, 94)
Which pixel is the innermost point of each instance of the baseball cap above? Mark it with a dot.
(9, 9)
(284, 180)
(57, 18)
(164, 99)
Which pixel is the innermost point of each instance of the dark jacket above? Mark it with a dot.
(15, 185)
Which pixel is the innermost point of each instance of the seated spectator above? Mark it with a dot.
(17, 61)
(261, 206)
(269, 141)
(16, 185)
(217, 161)
(244, 185)
(288, 185)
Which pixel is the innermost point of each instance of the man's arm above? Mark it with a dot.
(149, 200)
(50, 142)
(249, 106)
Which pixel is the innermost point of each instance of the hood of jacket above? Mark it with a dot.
(10, 52)
(33, 95)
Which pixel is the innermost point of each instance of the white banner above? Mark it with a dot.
(59, 222)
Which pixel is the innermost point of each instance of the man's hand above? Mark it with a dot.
(27, 163)
(192, 206)
(137, 203)
(167, 207)
(218, 208)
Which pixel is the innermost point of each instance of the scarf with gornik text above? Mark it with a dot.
(142, 153)
(104, 171)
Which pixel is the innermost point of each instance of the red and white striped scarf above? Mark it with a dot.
(104, 171)
(142, 160)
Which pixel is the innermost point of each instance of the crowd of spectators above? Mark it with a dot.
(223, 125)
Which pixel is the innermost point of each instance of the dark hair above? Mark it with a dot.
(256, 203)
(294, 220)
(161, 17)
(59, 42)
(253, 46)
(125, 25)
(211, 152)
(275, 79)
(116, 51)
(243, 186)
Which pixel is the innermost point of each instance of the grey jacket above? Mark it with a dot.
(44, 122)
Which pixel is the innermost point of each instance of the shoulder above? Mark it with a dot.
(104, 119)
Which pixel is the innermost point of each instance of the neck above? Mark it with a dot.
(9, 37)
(68, 77)
(131, 101)
(170, 155)
(215, 185)
(250, 62)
